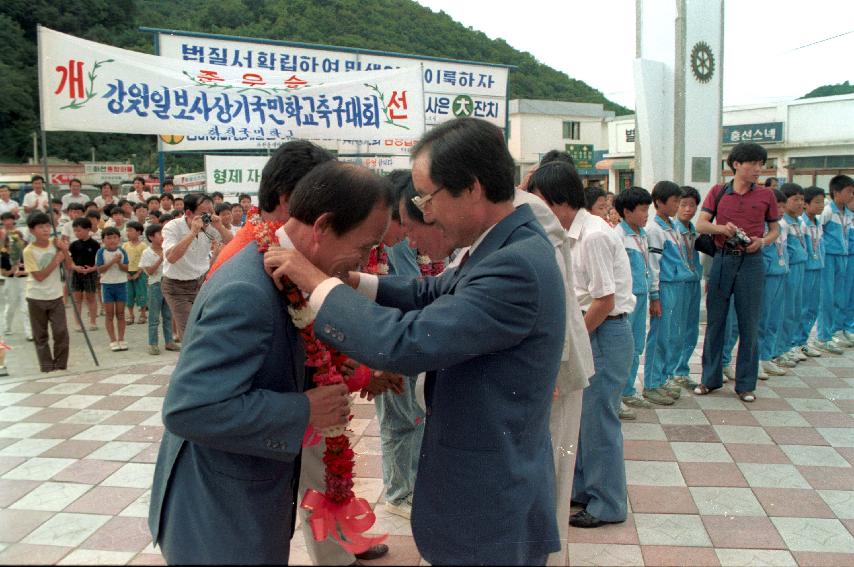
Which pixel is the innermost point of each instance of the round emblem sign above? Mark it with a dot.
(702, 62)
(462, 106)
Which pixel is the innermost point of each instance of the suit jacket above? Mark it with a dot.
(494, 332)
(224, 483)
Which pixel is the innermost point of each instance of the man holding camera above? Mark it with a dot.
(741, 209)
(187, 244)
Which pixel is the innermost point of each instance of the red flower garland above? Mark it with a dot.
(337, 507)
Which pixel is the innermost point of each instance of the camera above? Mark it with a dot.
(739, 239)
(206, 218)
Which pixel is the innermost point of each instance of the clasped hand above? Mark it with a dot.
(281, 263)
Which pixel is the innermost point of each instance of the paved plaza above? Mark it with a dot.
(712, 481)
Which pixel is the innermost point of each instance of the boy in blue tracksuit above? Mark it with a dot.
(670, 272)
(633, 207)
(811, 297)
(796, 246)
(835, 223)
(771, 320)
(688, 330)
(848, 331)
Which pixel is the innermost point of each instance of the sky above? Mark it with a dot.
(594, 41)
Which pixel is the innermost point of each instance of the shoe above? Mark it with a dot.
(114, 346)
(636, 402)
(842, 340)
(152, 349)
(172, 346)
(577, 504)
(828, 346)
(93, 327)
(849, 336)
(584, 520)
(702, 390)
(685, 382)
(796, 353)
(808, 350)
(729, 373)
(771, 368)
(762, 375)
(373, 552)
(658, 396)
(673, 389)
(3, 371)
(128, 320)
(626, 413)
(142, 320)
(746, 396)
(783, 361)
(30, 338)
(404, 509)
(123, 345)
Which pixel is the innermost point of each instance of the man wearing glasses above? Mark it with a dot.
(492, 333)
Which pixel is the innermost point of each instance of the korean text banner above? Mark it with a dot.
(88, 86)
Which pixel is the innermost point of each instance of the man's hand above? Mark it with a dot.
(727, 229)
(216, 221)
(655, 308)
(755, 245)
(328, 406)
(60, 244)
(80, 269)
(348, 368)
(382, 382)
(197, 225)
(280, 263)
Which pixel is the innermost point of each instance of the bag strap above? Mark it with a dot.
(720, 196)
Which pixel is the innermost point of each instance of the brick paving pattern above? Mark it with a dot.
(712, 481)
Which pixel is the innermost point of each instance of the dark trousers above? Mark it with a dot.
(180, 295)
(743, 279)
(42, 313)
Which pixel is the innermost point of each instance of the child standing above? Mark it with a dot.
(43, 260)
(688, 330)
(771, 320)
(152, 263)
(811, 298)
(84, 272)
(112, 262)
(835, 226)
(137, 284)
(633, 207)
(669, 272)
(12, 268)
(796, 246)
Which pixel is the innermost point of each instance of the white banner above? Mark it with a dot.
(88, 86)
(451, 88)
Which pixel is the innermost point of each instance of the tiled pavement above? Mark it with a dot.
(711, 480)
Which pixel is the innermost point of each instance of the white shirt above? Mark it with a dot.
(196, 260)
(150, 258)
(8, 207)
(68, 198)
(600, 263)
(134, 197)
(101, 202)
(36, 201)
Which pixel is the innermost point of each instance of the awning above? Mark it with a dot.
(615, 163)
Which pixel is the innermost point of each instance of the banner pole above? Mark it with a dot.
(61, 267)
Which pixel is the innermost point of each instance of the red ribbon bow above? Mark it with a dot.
(351, 518)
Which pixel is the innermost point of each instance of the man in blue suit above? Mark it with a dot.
(237, 407)
(493, 332)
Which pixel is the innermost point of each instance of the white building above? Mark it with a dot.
(808, 140)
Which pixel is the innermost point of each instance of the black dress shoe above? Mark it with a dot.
(577, 504)
(373, 552)
(585, 520)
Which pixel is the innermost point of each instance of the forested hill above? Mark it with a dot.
(388, 25)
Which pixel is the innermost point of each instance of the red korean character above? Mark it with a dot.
(73, 77)
(253, 79)
(294, 82)
(397, 105)
(208, 77)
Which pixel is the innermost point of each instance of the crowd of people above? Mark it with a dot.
(114, 256)
(504, 325)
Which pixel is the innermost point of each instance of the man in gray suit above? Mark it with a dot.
(237, 406)
(493, 331)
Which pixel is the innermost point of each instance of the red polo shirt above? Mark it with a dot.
(749, 212)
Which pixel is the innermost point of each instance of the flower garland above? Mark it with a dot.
(336, 511)
(428, 267)
(377, 261)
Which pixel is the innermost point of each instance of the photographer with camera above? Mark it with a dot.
(740, 210)
(187, 246)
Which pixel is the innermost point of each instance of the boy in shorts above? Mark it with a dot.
(112, 262)
(84, 272)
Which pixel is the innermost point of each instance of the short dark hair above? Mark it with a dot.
(559, 183)
(216, 194)
(838, 183)
(56, 201)
(151, 230)
(166, 217)
(465, 150)
(222, 207)
(167, 196)
(153, 198)
(36, 219)
(178, 199)
(400, 179)
(8, 215)
(781, 198)
(75, 180)
(4, 186)
(107, 184)
(591, 195)
(35, 178)
(288, 164)
(193, 200)
(689, 192)
(811, 193)
(348, 191)
(746, 152)
(75, 206)
(629, 199)
(93, 215)
(663, 190)
(791, 189)
(82, 222)
(135, 225)
(168, 181)
(89, 204)
(155, 214)
(770, 181)
(245, 196)
(116, 210)
(138, 206)
(557, 155)
(123, 202)
(139, 178)
(111, 230)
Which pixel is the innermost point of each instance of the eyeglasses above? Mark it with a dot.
(421, 201)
